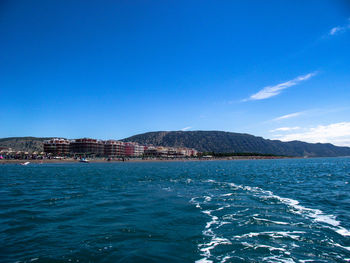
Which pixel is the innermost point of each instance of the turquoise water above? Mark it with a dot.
(219, 211)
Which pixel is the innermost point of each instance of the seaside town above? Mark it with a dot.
(59, 148)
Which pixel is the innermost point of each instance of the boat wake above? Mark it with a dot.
(230, 211)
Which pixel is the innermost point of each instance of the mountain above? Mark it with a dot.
(27, 144)
(220, 142)
(206, 141)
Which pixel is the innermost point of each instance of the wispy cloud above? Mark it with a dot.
(335, 30)
(336, 133)
(339, 29)
(186, 128)
(271, 91)
(288, 116)
(284, 129)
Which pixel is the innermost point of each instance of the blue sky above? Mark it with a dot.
(112, 69)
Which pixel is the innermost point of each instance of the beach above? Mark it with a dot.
(104, 160)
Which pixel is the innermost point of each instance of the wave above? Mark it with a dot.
(273, 234)
(270, 221)
(270, 248)
(277, 259)
(316, 215)
(215, 239)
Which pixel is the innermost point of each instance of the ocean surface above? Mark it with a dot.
(295, 210)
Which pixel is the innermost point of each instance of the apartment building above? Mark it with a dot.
(113, 148)
(57, 147)
(87, 146)
(133, 149)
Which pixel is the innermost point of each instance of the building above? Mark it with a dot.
(133, 149)
(169, 152)
(113, 148)
(87, 146)
(193, 152)
(57, 147)
(162, 151)
(139, 150)
(186, 152)
(151, 151)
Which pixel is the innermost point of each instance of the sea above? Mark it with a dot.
(289, 210)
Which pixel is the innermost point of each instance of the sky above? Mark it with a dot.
(113, 69)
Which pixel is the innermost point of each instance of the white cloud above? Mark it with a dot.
(288, 116)
(339, 29)
(186, 128)
(283, 129)
(271, 91)
(335, 133)
(334, 30)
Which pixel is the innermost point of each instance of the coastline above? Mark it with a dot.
(132, 160)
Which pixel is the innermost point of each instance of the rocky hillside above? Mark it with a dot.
(207, 141)
(219, 141)
(27, 144)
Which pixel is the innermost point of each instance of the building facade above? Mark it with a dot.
(114, 148)
(87, 146)
(57, 147)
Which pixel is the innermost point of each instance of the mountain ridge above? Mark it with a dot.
(206, 141)
(223, 141)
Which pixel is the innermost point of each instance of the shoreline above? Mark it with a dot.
(131, 160)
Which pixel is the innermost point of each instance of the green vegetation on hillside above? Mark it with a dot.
(228, 142)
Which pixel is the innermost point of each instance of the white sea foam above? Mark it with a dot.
(233, 215)
(222, 207)
(194, 201)
(278, 259)
(270, 248)
(225, 259)
(316, 214)
(248, 235)
(338, 245)
(235, 186)
(221, 223)
(214, 220)
(215, 240)
(207, 199)
(343, 231)
(247, 244)
(273, 234)
(209, 181)
(270, 221)
(229, 194)
(204, 260)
